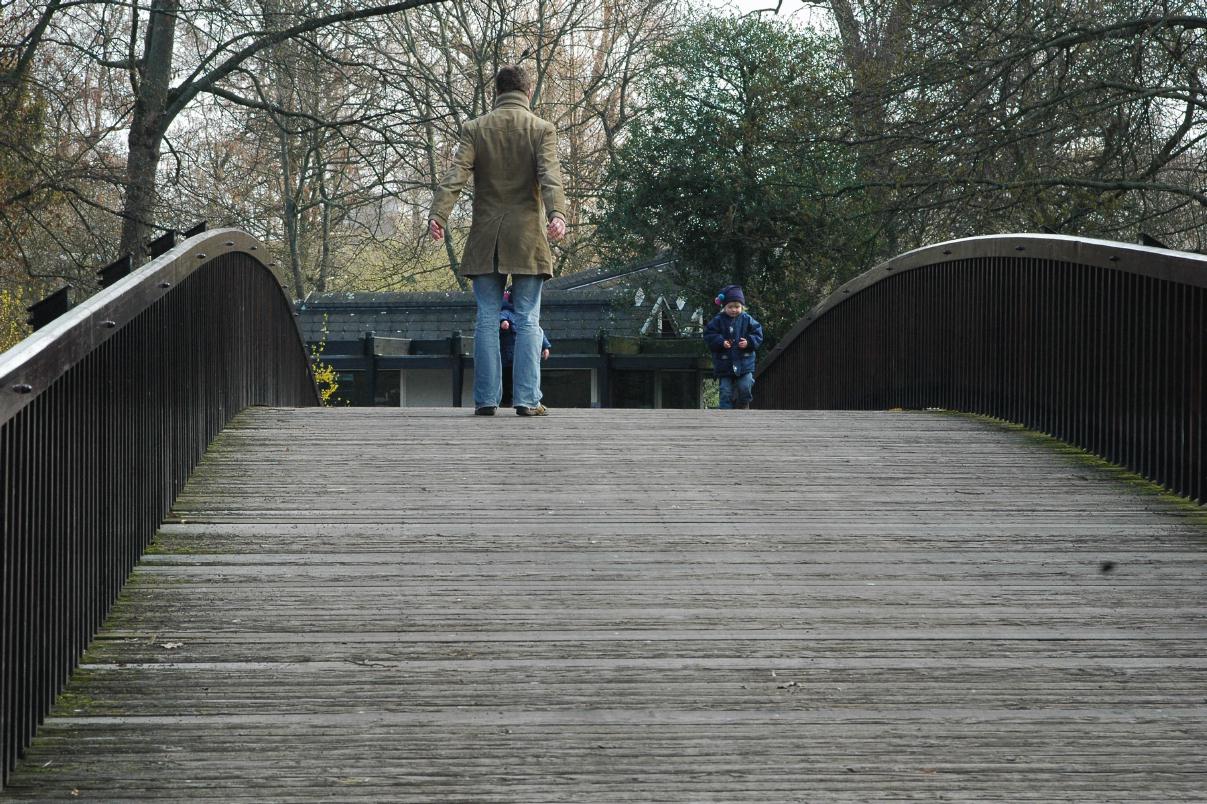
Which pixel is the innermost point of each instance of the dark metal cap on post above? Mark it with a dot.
(114, 271)
(195, 229)
(162, 244)
(43, 312)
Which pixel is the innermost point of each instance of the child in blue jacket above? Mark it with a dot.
(733, 336)
(507, 344)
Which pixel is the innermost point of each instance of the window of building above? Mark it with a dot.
(349, 388)
(680, 389)
(632, 389)
(388, 389)
(433, 388)
(655, 389)
(566, 388)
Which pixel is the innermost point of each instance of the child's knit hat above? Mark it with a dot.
(730, 293)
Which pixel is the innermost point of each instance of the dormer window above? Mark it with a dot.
(668, 324)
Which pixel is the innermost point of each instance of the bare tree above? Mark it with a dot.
(60, 150)
(158, 104)
(162, 85)
(585, 56)
(318, 133)
(1060, 116)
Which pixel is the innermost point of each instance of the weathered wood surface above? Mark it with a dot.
(385, 605)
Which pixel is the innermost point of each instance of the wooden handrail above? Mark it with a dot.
(1100, 344)
(104, 412)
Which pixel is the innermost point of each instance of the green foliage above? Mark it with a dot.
(734, 168)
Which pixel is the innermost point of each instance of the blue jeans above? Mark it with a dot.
(488, 363)
(743, 386)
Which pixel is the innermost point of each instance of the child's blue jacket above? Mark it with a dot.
(507, 336)
(733, 362)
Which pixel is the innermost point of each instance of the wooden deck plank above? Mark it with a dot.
(386, 605)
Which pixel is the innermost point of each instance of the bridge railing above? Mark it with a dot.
(103, 414)
(1100, 344)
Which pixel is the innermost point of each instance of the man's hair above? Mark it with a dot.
(511, 77)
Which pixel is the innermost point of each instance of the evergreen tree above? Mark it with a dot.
(734, 168)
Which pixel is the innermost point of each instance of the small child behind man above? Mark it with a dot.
(507, 344)
(733, 336)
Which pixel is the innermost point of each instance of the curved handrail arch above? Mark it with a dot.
(1098, 343)
(1158, 263)
(104, 412)
(35, 363)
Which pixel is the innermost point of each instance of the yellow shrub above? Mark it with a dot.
(12, 319)
(324, 376)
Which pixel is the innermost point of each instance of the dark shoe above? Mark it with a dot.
(744, 406)
(489, 410)
(539, 410)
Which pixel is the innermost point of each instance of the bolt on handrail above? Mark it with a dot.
(104, 412)
(1100, 344)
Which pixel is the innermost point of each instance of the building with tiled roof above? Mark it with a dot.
(615, 344)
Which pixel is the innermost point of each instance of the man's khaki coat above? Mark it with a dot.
(512, 155)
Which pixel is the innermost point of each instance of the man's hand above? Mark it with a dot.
(556, 230)
(504, 325)
(544, 354)
(743, 343)
(435, 229)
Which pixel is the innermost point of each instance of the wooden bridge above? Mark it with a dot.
(386, 605)
(425, 605)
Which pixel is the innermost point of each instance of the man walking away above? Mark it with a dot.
(518, 207)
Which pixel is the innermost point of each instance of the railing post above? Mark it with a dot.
(605, 390)
(369, 394)
(458, 366)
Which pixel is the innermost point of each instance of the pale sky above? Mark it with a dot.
(757, 5)
(793, 10)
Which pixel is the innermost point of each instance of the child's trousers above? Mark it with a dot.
(736, 391)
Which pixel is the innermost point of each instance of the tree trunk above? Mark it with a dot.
(873, 48)
(320, 283)
(147, 128)
(289, 210)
